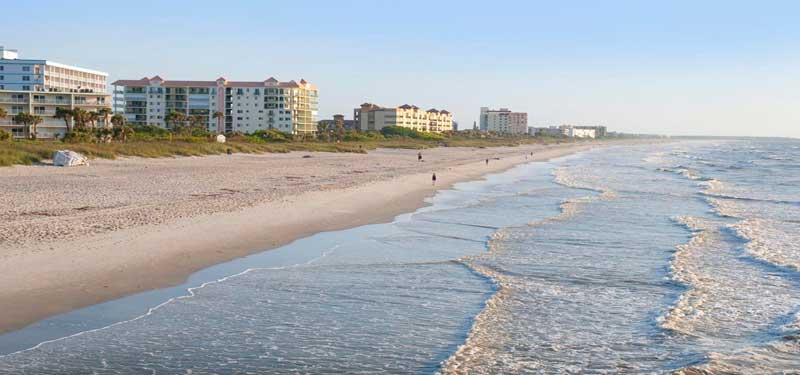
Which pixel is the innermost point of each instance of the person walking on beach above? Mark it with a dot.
(419, 156)
(433, 179)
(487, 161)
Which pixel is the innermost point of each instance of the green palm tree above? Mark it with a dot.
(219, 116)
(65, 114)
(79, 118)
(174, 119)
(93, 117)
(30, 121)
(117, 120)
(104, 113)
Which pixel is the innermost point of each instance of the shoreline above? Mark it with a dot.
(51, 279)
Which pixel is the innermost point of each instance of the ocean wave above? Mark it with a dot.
(728, 300)
(687, 172)
(773, 241)
(564, 178)
(471, 352)
(688, 307)
(777, 357)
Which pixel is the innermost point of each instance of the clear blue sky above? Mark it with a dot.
(676, 67)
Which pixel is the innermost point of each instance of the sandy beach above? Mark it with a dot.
(73, 237)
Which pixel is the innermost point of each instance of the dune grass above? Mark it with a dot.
(28, 152)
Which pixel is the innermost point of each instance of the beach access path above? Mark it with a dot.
(73, 237)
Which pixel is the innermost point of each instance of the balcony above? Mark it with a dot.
(51, 101)
(13, 100)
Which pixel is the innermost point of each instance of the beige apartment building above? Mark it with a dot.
(374, 117)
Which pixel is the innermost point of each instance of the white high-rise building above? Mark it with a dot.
(503, 121)
(290, 107)
(44, 75)
(39, 87)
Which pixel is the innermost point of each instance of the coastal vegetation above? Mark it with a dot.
(189, 138)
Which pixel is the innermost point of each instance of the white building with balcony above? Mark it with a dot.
(44, 75)
(290, 107)
(38, 87)
(503, 121)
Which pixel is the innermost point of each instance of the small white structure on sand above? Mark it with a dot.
(67, 158)
(220, 138)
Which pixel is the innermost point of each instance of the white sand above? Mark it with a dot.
(72, 237)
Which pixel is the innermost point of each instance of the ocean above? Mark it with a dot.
(679, 257)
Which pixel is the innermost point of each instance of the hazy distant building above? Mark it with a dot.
(552, 131)
(374, 117)
(583, 131)
(503, 121)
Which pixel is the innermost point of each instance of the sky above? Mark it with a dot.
(667, 67)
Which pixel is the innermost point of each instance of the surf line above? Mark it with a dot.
(191, 292)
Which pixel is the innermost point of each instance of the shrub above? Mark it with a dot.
(271, 135)
(399, 131)
(79, 136)
(4, 135)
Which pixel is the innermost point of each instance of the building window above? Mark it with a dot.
(26, 78)
(26, 68)
(2, 78)
(26, 88)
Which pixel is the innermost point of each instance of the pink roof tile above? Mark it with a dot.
(244, 84)
(189, 84)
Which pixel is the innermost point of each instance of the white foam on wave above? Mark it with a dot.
(728, 300)
(689, 305)
(468, 357)
(770, 240)
(191, 292)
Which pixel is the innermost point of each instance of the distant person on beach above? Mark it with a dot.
(487, 161)
(419, 156)
(433, 179)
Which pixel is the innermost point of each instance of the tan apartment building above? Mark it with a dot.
(374, 117)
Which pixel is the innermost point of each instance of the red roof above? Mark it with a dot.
(165, 83)
(132, 82)
(189, 83)
(244, 84)
(290, 84)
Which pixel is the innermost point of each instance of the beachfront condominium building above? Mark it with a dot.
(573, 131)
(39, 87)
(374, 117)
(44, 75)
(290, 107)
(503, 121)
